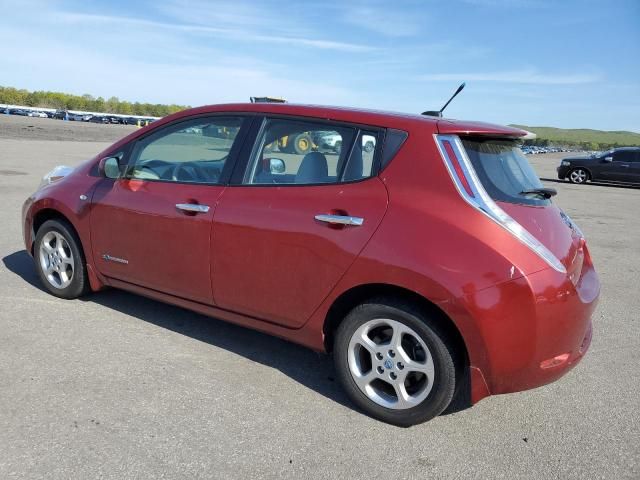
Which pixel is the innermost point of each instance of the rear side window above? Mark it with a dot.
(504, 171)
(360, 162)
(299, 152)
(392, 143)
(624, 156)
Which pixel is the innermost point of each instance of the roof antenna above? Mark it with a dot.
(438, 113)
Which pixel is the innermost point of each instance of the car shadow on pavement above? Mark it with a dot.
(597, 184)
(311, 369)
(21, 264)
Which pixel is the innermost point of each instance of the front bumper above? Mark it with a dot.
(563, 171)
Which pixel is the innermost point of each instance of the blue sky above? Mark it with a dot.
(572, 64)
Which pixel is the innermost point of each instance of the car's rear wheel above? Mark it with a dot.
(59, 260)
(394, 362)
(578, 175)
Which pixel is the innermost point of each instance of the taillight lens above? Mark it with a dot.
(470, 188)
(457, 168)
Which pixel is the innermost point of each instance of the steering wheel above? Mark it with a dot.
(195, 173)
(146, 172)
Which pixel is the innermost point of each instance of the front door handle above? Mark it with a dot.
(192, 207)
(340, 219)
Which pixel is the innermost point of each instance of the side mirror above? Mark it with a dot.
(109, 167)
(277, 166)
(608, 159)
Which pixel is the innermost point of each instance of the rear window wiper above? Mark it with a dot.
(542, 191)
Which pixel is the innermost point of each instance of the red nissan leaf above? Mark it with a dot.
(424, 253)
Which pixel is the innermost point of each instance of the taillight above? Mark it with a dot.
(457, 168)
(470, 188)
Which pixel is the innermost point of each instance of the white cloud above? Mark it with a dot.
(526, 76)
(81, 67)
(387, 20)
(238, 14)
(505, 3)
(227, 33)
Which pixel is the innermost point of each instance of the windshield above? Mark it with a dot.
(603, 154)
(504, 171)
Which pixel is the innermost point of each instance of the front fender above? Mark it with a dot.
(71, 199)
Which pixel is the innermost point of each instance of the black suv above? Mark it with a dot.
(617, 165)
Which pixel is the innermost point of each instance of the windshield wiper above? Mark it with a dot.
(542, 191)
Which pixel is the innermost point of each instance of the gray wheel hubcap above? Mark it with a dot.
(391, 364)
(56, 260)
(578, 176)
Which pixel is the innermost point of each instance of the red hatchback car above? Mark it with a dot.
(423, 252)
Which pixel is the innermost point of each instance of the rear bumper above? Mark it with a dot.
(533, 330)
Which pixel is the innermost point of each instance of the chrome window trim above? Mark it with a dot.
(483, 202)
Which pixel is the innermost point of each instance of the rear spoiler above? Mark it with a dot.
(458, 127)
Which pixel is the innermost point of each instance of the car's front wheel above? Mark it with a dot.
(578, 175)
(59, 260)
(394, 362)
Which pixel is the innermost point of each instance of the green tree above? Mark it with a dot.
(124, 108)
(98, 105)
(46, 99)
(112, 104)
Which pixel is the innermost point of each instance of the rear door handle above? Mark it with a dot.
(340, 219)
(192, 207)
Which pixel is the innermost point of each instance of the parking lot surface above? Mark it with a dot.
(118, 386)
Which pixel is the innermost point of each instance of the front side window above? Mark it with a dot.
(190, 152)
(308, 153)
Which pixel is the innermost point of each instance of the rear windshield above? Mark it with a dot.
(504, 171)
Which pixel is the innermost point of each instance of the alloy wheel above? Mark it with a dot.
(578, 176)
(56, 260)
(391, 364)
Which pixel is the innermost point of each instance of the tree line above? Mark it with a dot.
(86, 102)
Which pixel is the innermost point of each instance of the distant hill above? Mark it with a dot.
(584, 137)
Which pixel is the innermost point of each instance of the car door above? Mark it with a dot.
(634, 169)
(621, 167)
(293, 221)
(152, 226)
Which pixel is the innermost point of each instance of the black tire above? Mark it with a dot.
(437, 342)
(79, 284)
(579, 176)
(302, 143)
